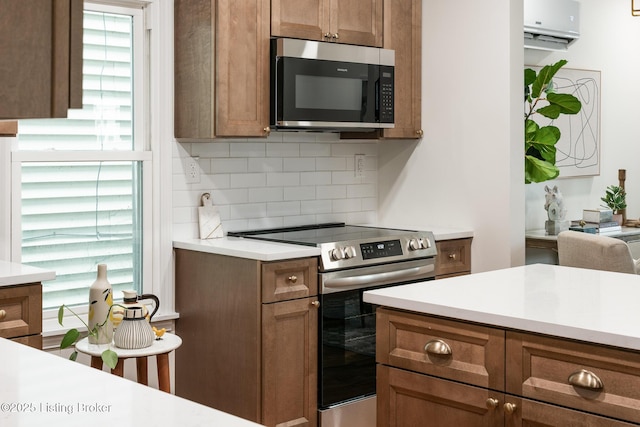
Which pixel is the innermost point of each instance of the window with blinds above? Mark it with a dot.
(81, 198)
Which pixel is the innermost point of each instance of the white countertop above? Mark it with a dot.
(589, 305)
(542, 234)
(247, 248)
(42, 389)
(272, 251)
(12, 273)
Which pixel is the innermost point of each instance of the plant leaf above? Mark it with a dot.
(69, 338)
(567, 103)
(536, 170)
(73, 356)
(60, 314)
(110, 358)
(545, 76)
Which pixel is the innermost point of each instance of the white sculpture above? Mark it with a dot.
(554, 204)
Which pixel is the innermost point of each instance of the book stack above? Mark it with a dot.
(596, 221)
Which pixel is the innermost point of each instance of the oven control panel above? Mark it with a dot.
(364, 252)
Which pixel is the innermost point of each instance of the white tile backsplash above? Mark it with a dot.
(287, 179)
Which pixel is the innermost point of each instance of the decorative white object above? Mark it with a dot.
(100, 302)
(209, 219)
(134, 331)
(554, 205)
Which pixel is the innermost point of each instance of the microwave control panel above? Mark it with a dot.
(386, 94)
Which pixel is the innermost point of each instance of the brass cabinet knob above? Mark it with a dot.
(335, 36)
(3, 314)
(316, 304)
(586, 379)
(420, 133)
(327, 35)
(452, 256)
(492, 403)
(267, 130)
(510, 408)
(438, 347)
(293, 279)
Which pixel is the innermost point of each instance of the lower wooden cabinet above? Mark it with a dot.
(21, 313)
(487, 376)
(454, 258)
(249, 334)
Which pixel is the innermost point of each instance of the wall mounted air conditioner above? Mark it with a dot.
(551, 24)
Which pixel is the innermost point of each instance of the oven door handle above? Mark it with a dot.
(361, 281)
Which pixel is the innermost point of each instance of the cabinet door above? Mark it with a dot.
(530, 413)
(301, 19)
(285, 280)
(583, 376)
(221, 68)
(41, 61)
(454, 258)
(411, 399)
(403, 33)
(356, 22)
(290, 363)
(242, 65)
(20, 310)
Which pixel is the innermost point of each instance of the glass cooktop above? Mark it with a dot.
(317, 234)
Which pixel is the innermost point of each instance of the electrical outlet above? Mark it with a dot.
(359, 165)
(192, 170)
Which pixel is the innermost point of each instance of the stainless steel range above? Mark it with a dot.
(354, 259)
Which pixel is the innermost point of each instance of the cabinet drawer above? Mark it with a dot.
(34, 341)
(287, 280)
(20, 310)
(410, 341)
(454, 257)
(540, 368)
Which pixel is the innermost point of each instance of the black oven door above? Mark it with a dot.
(320, 93)
(347, 348)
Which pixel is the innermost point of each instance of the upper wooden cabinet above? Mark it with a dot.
(356, 22)
(221, 68)
(41, 61)
(403, 33)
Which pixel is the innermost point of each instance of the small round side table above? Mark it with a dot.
(160, 348)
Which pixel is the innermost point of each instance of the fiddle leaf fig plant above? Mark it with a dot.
(109, 357)
(540, 141)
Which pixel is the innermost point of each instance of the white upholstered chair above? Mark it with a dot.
(584, 250)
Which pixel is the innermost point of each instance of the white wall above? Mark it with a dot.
(608, 43)
(467, 171)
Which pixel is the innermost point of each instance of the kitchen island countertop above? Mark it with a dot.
(12, 273)
(588, 305)
(42, 389)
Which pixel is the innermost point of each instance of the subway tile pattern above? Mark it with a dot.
(289, 178)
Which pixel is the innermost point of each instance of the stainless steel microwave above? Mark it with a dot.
(330, 86)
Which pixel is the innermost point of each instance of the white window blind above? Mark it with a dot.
(79, 210)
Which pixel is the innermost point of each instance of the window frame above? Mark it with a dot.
(140, 152)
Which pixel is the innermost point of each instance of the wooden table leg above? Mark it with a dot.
(96, 362)
(141, 370)
(119, 369)
(164, 379)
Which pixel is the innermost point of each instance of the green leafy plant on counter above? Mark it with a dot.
(109, 357)
(540, 142)
(615, 198)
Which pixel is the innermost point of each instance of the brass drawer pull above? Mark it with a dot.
(510, 408)
(293, 278)
(585, 379)
(438, 347)
(316, 304)
(452, 256)
(492, 403)
(3, 314)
